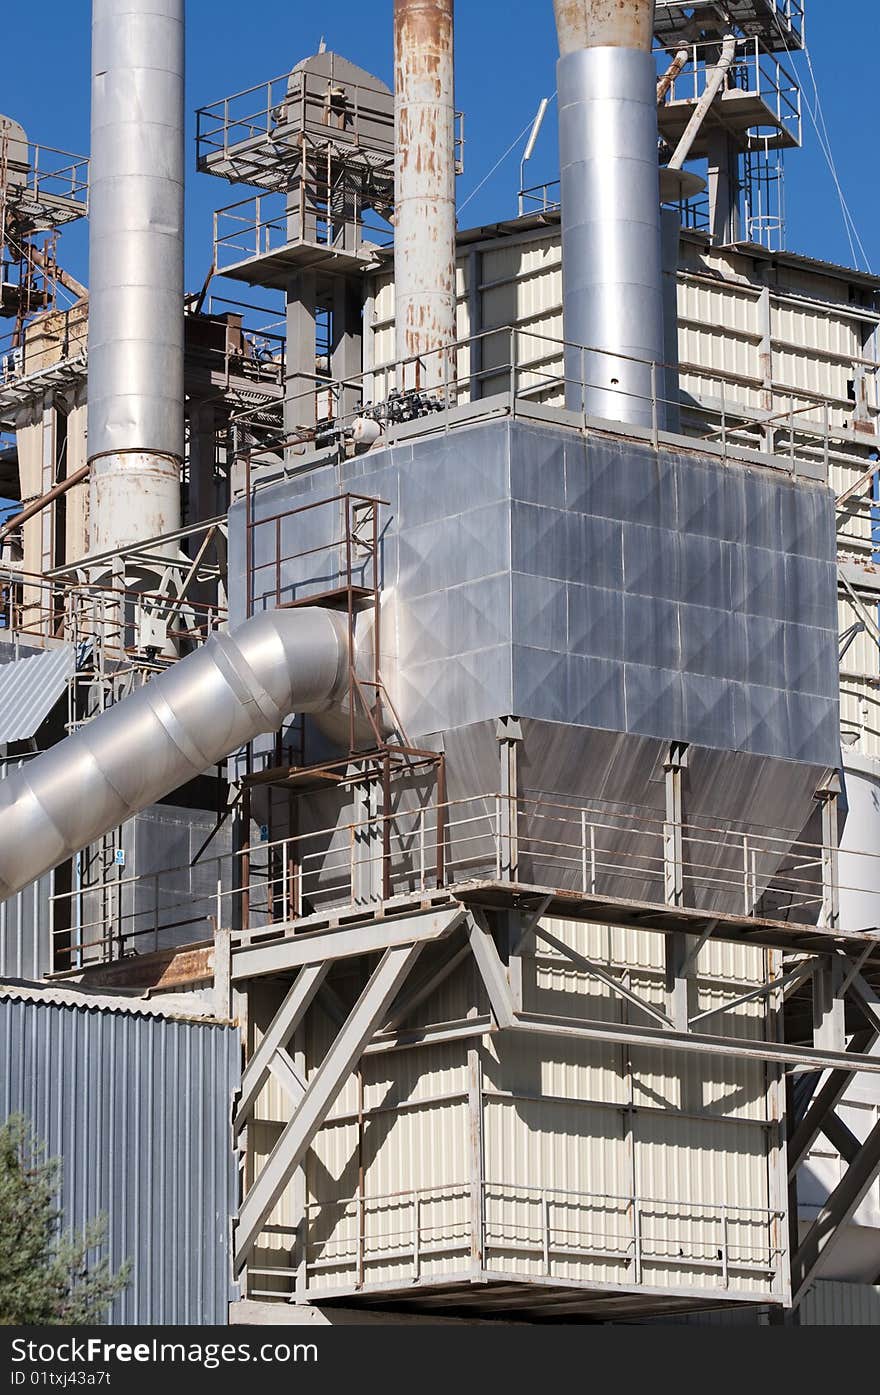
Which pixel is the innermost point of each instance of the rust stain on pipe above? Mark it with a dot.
(425, 176)
(599, 23)
(676, 67)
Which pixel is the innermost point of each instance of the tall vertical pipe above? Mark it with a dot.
(611, 243)
(136, 393)
(424, 222)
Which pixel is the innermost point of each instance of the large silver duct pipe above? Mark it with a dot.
(135, 400)
(424, 220)
(185, 721)
(611, 245)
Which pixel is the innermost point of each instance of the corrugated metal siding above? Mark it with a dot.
(139, 1110)
(24, 932)
(810, 333)
(568, 1132)
(841, 1305)
(29, 690)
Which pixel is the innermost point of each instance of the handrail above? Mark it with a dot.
(548, 1225)
(529, 366)
(587, 848)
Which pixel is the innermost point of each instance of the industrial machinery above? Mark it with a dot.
(517, 645)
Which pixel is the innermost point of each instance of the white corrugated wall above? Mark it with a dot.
(573, 1147)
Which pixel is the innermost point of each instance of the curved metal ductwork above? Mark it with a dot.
(239, 686)
(611, 240)
(136, 348)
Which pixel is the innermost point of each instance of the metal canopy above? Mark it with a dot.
(779, 23)
(29, 689)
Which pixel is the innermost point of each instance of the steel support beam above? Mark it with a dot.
(509, 734)
(829, 1015)
(492, 971)
(615, 984)
(288, 1077)
(673, 830)
(423, 990)
(283, 1025)
(827, 1230)
(865, 999)
(280, 956)
(841, 1137)
(804, 1135)
(665, 1040)
(323, 1089)
(829, 918)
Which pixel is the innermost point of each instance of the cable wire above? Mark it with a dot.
(508, 152)
(824, 139)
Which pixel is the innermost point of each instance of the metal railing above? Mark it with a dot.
(540, 1231)
(50, 339)
(791, 11)
(628, 854)
(754, 73)
(123, 621)
(541, 198)
(336, 218)
(42, 184)
(255, 136)
(521, 369)
(261, 116)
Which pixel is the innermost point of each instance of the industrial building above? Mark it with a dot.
(439, 718)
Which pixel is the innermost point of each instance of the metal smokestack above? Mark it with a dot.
(611, 245)
(424, 236)
(136, 394)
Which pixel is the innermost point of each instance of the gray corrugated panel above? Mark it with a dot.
(833, 1304)
(139, 1109)
(29, 690)
(24, 932)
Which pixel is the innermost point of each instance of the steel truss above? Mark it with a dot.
(498, 940)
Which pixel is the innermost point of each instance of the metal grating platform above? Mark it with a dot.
(779, 24)
(741, 114)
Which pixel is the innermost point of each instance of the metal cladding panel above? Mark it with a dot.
(136, 245)
(25, 944)
(138, 1108)
(830, 1304)
(25, 950)
(610, 230)
(716, 1167)
(564, 1146)
(504, 542)
(29, 689)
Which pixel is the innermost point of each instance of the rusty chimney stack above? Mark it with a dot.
(604, 23)
(424, 239)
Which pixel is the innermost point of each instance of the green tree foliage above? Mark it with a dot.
(46, 1279)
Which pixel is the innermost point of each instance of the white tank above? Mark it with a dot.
(860, 846)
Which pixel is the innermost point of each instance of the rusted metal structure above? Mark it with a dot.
(424, 217)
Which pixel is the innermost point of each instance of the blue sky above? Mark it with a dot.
(506, 57)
